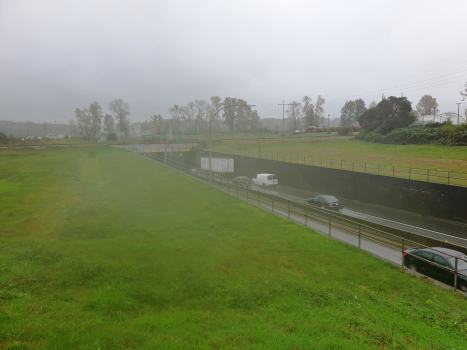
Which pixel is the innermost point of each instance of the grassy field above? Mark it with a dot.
(103, 249)
(421, 156)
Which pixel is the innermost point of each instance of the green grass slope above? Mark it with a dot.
(417, 156)
(103, 249)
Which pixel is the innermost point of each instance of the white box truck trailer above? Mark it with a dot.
(218, 165)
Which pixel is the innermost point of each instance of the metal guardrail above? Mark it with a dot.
(289, 209)
(411, 173)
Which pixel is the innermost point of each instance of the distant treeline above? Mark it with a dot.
(24, 129)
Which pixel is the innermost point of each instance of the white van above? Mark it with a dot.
(265, 180)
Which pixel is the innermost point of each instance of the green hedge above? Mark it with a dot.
(443, 135)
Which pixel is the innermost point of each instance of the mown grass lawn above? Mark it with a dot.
(418, 156)
(104, 249)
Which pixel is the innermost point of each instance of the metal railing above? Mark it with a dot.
(305, 214)
(411, 173)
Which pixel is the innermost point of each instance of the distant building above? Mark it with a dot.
(440, 118)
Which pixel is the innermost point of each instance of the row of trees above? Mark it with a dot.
(305, 113)
(390, 113)
(198, 114)
(89, 120)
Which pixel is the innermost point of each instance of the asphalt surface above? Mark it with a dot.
(444, 230)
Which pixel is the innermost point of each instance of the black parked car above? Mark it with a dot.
(439, 264)
(325, 201)
(242, 181)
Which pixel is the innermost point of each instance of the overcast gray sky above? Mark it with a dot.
(56, 56)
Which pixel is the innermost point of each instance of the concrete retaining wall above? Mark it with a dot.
(427, 198)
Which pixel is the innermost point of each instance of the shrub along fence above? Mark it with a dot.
(429, 175)
(357, 233)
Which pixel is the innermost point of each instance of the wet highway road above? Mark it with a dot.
(453, 232)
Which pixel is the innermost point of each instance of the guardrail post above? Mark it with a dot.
(258, 198)
(403, 248)
(455, 275)
(306, 217)
(288, 209)
(329, 225)
(359, 236)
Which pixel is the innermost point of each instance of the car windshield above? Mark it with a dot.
(272, 177)
(461, 264)
(330, 199)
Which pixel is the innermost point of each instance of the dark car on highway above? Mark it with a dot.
(242, 181)
(439, 264)
(325, 201)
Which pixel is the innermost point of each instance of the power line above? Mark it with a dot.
(405, 70)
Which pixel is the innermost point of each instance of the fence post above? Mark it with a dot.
(331, 163)
(428, 177)
(448, 177)
(365, 167)
(321, 162)
(258, 198)
(247, 194)
(403, 248)
(393, 171)
(228, 187)
(410, 170)
(282, 157)
(288, 209)
(359, 236)
(455, 275)
(237, 191)
(290, 159)
(341, 164)
(329, 225)
(378, 168)
(297, 159)
(305, 217)
(272, 203)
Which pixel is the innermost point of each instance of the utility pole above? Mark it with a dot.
(458, 104)
(328, 123)
(45, 127)
(293, 113)
(283, 111)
